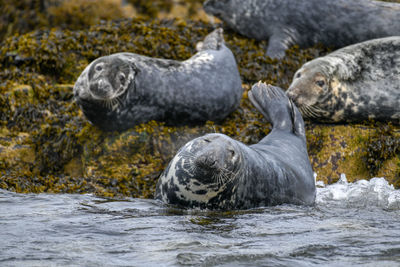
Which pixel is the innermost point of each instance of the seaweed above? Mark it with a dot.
(382, 146)
(47, 145)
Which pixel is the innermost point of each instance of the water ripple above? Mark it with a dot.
(350, 224)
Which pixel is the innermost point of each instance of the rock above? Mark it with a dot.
(46, 144)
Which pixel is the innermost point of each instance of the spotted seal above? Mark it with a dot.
(217, 172)
(118, 91)
(333, 23)
(353, 84)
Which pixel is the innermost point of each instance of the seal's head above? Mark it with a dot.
(203, 169)
(105, 80)
(216, 7)
(223, 9)
(215, 160)
(312, 87)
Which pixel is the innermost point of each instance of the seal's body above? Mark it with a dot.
(353, 84)
(217, 172)
(119, 91)
(334, 23)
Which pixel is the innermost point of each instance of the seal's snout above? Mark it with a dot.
(100, 88)
(293, 93)
(206, 161)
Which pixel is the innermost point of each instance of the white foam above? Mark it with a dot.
(376, 192)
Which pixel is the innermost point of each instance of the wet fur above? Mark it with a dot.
(361, 82)
(232, 175)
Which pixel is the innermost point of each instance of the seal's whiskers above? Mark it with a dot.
(311, 111)
(188, 154)
(224, 176)
(189, 166)
(305, 112)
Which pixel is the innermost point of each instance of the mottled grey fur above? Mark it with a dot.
(119, 91)
(352, 84)
(217, 172)
(334, 23)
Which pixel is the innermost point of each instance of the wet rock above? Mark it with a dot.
(47, 145)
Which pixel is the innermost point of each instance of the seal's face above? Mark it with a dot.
(214, 162)
(203, 169)
(226, 10)
(106, 79)
(310, 91)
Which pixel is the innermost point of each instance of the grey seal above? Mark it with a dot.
(353, 84)
(333, 23)
(217, 172)
(121, 90)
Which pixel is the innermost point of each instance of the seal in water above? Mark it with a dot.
(217, 172)
(353, 84)
(119, 91)
(334, 23)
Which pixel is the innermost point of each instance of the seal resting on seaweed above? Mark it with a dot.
(121, 90)
(217, 172)
(353, 84)
(333, 23)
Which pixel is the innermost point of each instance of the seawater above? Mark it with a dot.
(350, 224)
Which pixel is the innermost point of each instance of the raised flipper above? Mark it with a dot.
(212, 41)
(276, 107)
(298, 122)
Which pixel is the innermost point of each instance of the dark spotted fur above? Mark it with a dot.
(353, 84)
(217, 172)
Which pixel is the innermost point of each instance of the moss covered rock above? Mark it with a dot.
(359, 151)
(46, 144)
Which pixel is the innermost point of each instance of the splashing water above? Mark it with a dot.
(350, 224)
(375, 192)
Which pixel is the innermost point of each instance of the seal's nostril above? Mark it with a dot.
(212, 163)
(291, 96)
(206, 161)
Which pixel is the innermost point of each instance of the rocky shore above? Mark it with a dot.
(47, 145)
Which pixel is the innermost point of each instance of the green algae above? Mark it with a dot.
(46, 144)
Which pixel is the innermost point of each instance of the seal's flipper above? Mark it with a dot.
(273, 103)
(212, 41)
(298, 122)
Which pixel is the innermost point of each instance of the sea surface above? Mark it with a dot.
(351, 224)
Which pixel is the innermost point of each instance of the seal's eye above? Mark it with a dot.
(99, 68)
(232, 152)
(121, 78)
(320, 83)
(298, 75)
(207, 140)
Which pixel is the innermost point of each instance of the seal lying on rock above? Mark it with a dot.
(217, 172)
(352, 84)
(119, 91)
(334, 23)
